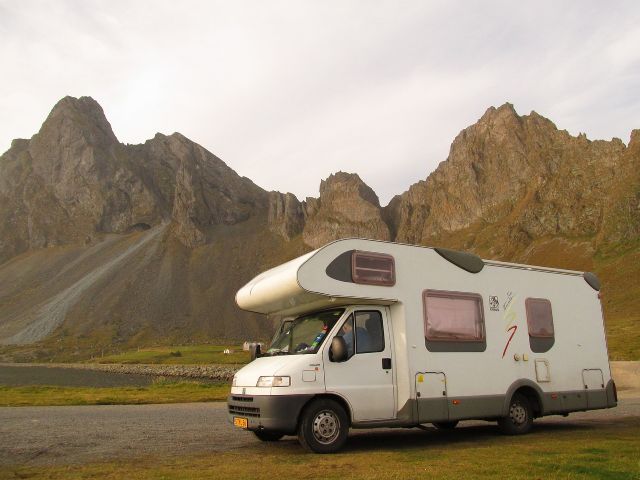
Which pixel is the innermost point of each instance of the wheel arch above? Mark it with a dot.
(328, 396)
(528, 389)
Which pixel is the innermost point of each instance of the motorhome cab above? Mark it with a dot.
(392, 335)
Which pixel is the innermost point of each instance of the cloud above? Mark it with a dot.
(287, 92)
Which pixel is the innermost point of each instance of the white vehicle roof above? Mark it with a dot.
(303, 284)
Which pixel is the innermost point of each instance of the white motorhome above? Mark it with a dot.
(394, 335)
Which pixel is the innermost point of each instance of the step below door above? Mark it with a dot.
(431, 393)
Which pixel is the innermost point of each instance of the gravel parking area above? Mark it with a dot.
(68, 435)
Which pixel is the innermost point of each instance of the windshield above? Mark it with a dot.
(305, 334)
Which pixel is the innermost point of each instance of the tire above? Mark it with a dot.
(446, 425)
(520, 416)
(324, 426)
(267, 436)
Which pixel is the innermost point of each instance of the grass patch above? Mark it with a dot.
(181, 355)
(161, 391)
(607, 451)
(621, 300)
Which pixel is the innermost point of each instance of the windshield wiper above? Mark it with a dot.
(277, 352)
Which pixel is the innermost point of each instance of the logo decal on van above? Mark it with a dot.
(509, 318)
(494, 304)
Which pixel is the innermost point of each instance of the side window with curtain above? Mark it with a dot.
(540, 324)
(453, 321)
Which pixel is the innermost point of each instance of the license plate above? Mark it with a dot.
(240, 422)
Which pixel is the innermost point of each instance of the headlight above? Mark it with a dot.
(273, 382)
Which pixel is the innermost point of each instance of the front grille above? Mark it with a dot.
(245, 411)
(242, 399)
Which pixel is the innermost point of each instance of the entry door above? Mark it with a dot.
(366, 379)
(431, 393)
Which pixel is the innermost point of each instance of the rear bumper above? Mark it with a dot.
(612, 394)
(278, 413)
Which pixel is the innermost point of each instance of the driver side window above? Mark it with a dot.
(346, 332)
(369, 336)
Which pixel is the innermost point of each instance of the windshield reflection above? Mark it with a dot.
(305, 334)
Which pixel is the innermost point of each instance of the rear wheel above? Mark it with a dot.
(324, 426)
(267, 436)
(445, 425)
(520, 416)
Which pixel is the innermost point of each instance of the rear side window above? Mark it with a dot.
(540, 324)
(453, 319)
(539, 317)
(373, 268)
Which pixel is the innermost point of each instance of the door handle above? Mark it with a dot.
(386, 364)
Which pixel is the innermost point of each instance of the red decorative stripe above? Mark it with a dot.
(514, 328)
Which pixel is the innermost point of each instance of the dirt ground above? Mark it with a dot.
(627, 378)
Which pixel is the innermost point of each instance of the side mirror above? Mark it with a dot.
(254, 350)
(338, 351)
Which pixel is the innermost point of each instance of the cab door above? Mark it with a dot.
(366, 379)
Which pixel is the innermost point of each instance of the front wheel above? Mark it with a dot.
(324, 426)
(267, 436)
(520, 416)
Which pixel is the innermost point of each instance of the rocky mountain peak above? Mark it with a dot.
(347, 207)
(341, 183)
(519, 174)
(505, 110)
(82, 116)
(74, 180)
(75, 142)
(505, 116)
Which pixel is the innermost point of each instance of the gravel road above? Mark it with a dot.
(68, 435)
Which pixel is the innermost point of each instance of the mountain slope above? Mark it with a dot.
(120, 244)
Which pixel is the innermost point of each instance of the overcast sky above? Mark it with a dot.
(288, 92)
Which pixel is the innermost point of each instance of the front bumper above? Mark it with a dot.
(278, 413)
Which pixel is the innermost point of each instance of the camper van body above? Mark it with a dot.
(502, 358)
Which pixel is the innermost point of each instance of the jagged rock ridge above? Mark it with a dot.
(521, 173)
(347, 207)
(74, 180)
